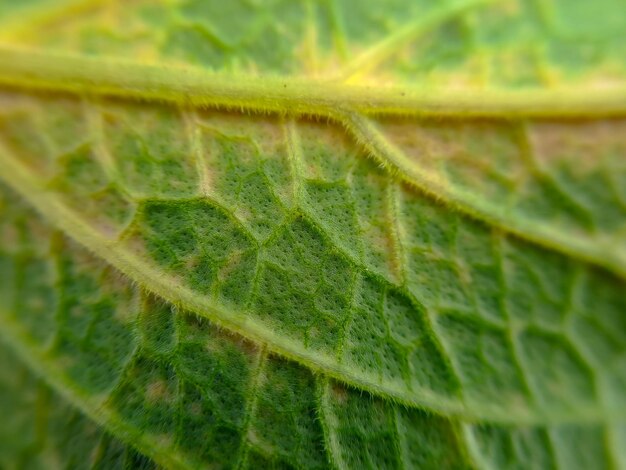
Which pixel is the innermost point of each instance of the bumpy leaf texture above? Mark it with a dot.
(313, 234)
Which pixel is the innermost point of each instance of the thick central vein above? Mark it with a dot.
(193, 86)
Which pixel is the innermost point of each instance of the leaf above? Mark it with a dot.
(191, 395)
(181, 390)
(476, 277)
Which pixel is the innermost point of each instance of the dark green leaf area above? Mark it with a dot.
(41, 430)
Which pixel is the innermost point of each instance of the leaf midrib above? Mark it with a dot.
(193, 86)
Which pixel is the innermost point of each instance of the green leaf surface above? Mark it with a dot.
(191, 395)
(301, 234)
(41, 430)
